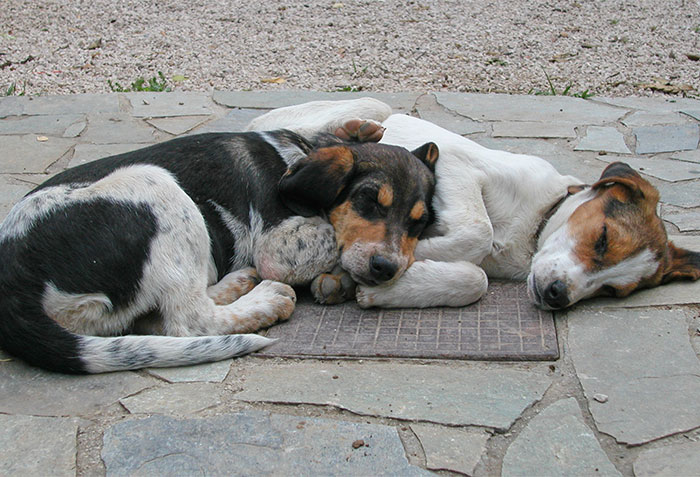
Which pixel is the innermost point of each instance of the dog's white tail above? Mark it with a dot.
(101, 355)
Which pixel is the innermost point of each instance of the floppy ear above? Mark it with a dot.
(428, 154)
(312, 184)
(639, 188)
(683, 265)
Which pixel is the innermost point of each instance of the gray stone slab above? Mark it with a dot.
(653, 104)
(556, 442)
(682, 194)
(52, 125)
(160, 105)
(119, 128)
(693, 113)
(37, 445)
(685, 219)
(177, 125)
(89, 152)
(642, 359)
(689, 156)
(665, 169)
(582, 165)
(599, 138)
(69, 104)
(207, 372)
(533, 129)
(181, 398)
(76, 128)
(430, 110)
(678, 137)
(11, 191)
(278, 99)
(449, 448)
(253, 443)
(503, 107)
(27, 154)
(28, 390)
(236, 120)
(669, 461)
(492, 397)
(645, 118)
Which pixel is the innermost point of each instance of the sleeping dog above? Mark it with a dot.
(162, 241)
(512, 216)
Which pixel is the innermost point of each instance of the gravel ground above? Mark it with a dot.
(608, 47)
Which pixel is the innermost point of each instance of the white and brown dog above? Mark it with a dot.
(512, 216)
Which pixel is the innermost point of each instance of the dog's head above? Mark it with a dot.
(606, 240)
(377, 198)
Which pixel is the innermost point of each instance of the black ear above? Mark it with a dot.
(311, 185)
(428, 154)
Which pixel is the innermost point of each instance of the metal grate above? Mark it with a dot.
(503, 325)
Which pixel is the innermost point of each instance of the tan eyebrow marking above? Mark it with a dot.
(385, 196)
(418, 210)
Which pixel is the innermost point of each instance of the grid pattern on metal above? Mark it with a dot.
(501, 326)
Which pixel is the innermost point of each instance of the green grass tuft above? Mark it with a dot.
(155, 84)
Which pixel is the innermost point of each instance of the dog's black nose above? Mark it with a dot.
(382, 269)
(556, 295)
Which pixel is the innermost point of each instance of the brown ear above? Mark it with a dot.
(312, 184)
(428, 154)
(683, 265)
(639, 188)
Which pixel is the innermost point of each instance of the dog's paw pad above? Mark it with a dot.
(331, 289)
(360, 130)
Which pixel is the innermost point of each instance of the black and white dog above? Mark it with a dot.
(171, 239)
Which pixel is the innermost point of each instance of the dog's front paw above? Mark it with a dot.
(233, 286)
(361, 130)
(333, 288)
(367, 297)
(264, 306)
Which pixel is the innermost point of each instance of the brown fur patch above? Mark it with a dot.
(386, 195)
(418, 210)
(408, 246)
(350, 227)
(340, 156)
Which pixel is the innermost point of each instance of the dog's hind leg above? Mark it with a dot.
(428, 283)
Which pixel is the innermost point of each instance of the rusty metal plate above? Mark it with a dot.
(503, 325)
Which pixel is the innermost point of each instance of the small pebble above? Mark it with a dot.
(358, 443)
(600, 397)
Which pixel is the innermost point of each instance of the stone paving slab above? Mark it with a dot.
(38, 445)
(253, 443)
(556, 443)
(90, 152)
(450, 448)
(180, 398)
(657, 104)
(690, 156)
(428, 109)
(607, 139)
(27, 154)
(11, 191)
(52, 125)
(687, 220)
(156, 105)
(119, 128)
(642, 360)
(655, 139)
(504, 107)
(675, 460)
(178, 125)
(492, 397)
(50, 105)
(206, 372)
(533, 129)
(682, 194)
(31, 391)
(665, 169)
(646, 118)
(279, 99)
(236, 120)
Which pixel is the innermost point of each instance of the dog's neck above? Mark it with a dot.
(559, 213)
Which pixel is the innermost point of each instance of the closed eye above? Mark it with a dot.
(415, 227)
(601, 245)
(365, 202)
